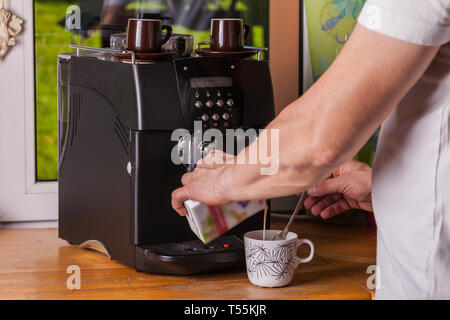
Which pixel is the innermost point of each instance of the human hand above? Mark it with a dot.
(205, 183)
(349, 187)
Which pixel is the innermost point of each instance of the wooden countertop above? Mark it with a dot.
(33, 265)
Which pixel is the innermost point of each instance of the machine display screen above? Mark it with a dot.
(211, 82)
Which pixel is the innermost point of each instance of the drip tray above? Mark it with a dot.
(191, 256)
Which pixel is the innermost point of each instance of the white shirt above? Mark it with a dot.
(411, 176)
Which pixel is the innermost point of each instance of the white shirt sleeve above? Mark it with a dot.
(424, 22)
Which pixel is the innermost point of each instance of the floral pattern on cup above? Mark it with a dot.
(277, 262)
(273, 263)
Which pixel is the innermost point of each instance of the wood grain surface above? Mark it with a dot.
(33, 265)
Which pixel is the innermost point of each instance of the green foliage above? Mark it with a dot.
(50, 40)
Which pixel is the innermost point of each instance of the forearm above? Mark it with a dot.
(333, 120)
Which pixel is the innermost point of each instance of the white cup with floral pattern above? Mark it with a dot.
(273, 263)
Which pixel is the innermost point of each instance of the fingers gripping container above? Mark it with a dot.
(210, 222)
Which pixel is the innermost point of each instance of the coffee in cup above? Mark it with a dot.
(146, 36)
(228, 35)
(271, 263)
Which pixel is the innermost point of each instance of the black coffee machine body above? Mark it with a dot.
(116, 172)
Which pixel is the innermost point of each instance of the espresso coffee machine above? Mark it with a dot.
(116, 174)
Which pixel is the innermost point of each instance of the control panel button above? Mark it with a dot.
(205, 117)
(198, 104)
(209, 104)
(226, 116)
(219, 93)
(230, 102)
(129, 168)
(215, 117)
(220, 103)
(208, 94)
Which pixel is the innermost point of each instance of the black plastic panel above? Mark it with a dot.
(192, 256)
(155, 176)
(94, 185)
(251, 91)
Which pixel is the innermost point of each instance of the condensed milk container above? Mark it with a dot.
(210, 222)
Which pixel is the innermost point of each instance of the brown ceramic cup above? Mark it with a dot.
(145, 35)
(228, 34)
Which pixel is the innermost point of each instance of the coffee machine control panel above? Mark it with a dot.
(211, 92)
(215, 102)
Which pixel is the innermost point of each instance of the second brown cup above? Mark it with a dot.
(145, 35)
(228, 34)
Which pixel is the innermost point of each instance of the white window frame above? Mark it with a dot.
(22, 198)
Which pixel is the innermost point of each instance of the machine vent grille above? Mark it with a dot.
(122, 133)
(76, 100)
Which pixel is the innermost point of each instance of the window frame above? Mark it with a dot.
(23, 199)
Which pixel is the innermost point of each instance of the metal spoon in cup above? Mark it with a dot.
(281, 235)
